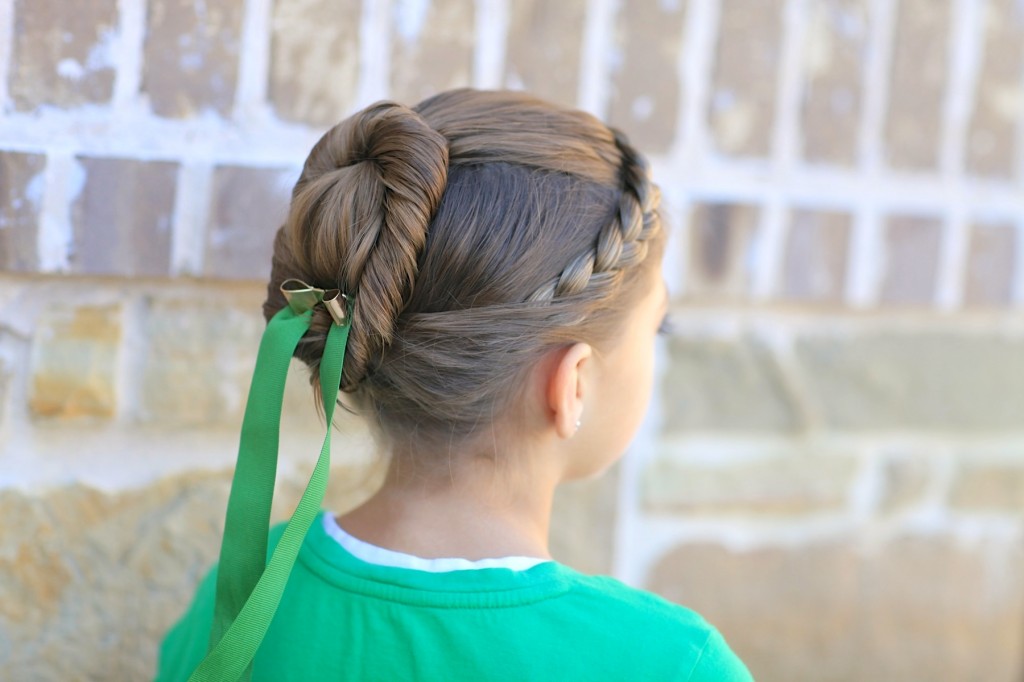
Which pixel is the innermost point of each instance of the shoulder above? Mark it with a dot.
(659, 629)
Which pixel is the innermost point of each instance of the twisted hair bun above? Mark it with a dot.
(358, 221)
(476, 231)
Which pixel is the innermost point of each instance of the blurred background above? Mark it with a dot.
(833, 468)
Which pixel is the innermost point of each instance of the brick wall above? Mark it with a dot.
(833, 469)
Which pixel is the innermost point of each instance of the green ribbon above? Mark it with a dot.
(249, 588)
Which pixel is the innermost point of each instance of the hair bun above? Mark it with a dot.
(364, 201)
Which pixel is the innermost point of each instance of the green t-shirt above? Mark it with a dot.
(344, 619)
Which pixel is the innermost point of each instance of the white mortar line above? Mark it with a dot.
(130, 360)
(871, 137)
(867, 487)
(685, 158)
(374, 52)
(62, 183)
(965, 46)
(785, 145)
(128, 53)
(676, 263)
(866, 244)
(253, 61)
(595, 67)
(696, 63)
(492, 17)
(630, 521)
(1017, 287)
(6, 51)
(192, 204)
(785, 132)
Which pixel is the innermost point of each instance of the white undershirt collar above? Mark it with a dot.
(372, 554)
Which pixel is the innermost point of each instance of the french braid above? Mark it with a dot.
(622, 243)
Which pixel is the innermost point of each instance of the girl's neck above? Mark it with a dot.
(480, 513)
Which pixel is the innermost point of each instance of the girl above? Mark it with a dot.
(480, 276)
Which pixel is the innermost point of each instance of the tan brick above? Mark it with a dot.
(999, 104)
(917, 84)
(833, 72)
(432, 49)
(249, 205)
(720, 384)
(778, 484)
(988, 487)
(722, 237)
(912, 260)
(804, 598)
(191, 56)
(79, 562)
(314, 59)
(21, 197)
(646, 79)
(914, 609)
(991, 260)
(816, 255)
(543, 48)
(906, 477)
(745, 73)
(122, 217)
(936, 609)
(935, 380)
(198, 362)
(74, 362)
(60, 57)
(583, 523)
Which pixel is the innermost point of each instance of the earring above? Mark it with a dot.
(579, 422)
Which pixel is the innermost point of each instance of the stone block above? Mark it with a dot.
(991, 261)
(722, 242)
(935, 380)
(764, 484)
(21, 197)
(917, 84)
(980, 486)
(910, 273)
(249, 205)
(314, 59)
(817, 250)
(198, 361)
(583, 523)
(915, 609)
(999, 102)
(544, 46)
(432, 48)
(832, 67)
(802, 601)
(122, 217)
(62, 58)
(732, 385)
(747, 61)
(645, 86)
(191, 56)
(74, 362)
(90, 581)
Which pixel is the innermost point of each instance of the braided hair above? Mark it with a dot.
(477, 231)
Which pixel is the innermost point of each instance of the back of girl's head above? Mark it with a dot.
(476, 231)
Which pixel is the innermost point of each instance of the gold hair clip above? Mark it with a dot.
(302, 297)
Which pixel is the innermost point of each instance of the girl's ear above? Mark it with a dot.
(566, 388)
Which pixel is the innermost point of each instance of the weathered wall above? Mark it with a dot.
(833, 469)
